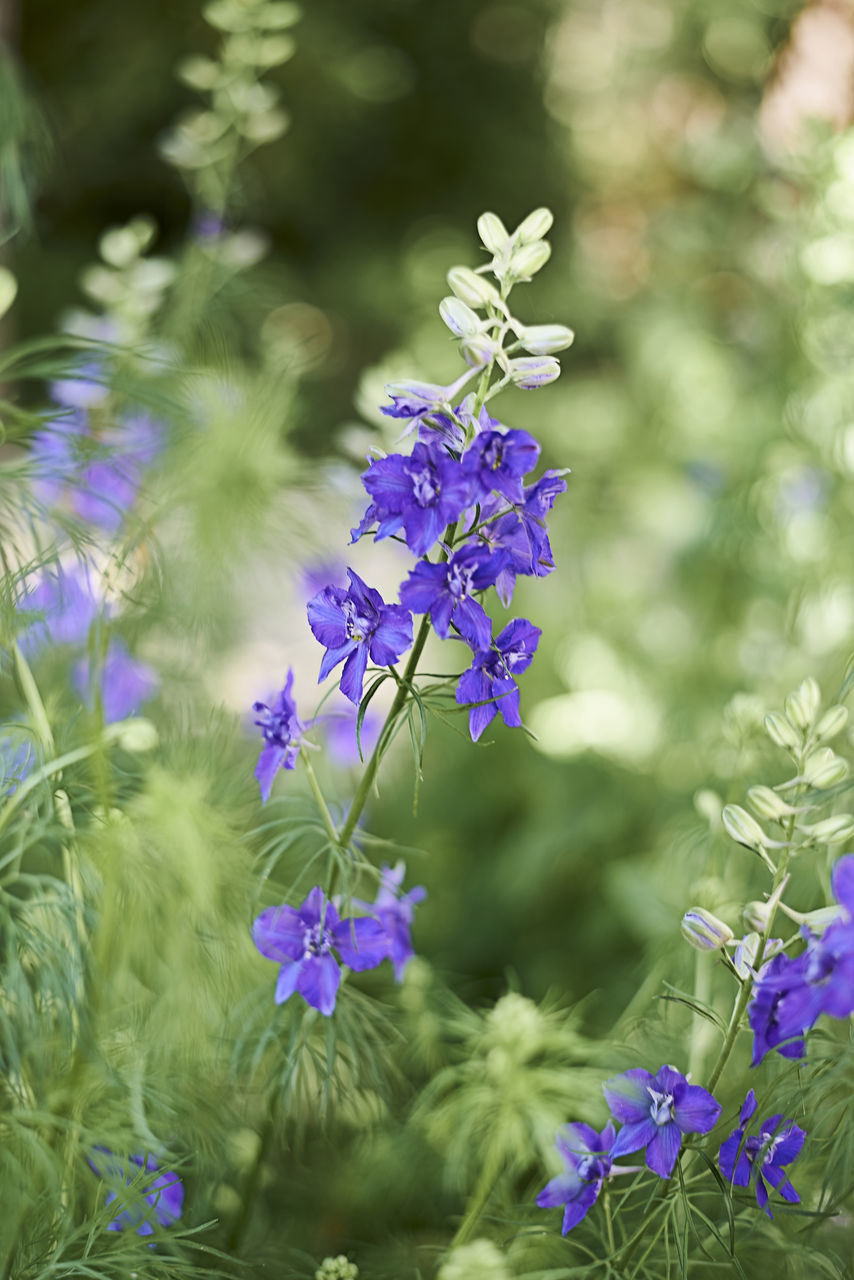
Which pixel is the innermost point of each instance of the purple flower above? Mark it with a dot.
(586, 1155)
(489, 681)
(778, 1143)
(353, 624)
(453, 431)
(496, 460)
(282, 728)
(65, 606)
(782, 1008)
(82, 388)
(445, 591)
(413, 399)
(655, 1111)
(125, 682)
(395, 911)
(301, 940)
(421, 494)
(161, 1201)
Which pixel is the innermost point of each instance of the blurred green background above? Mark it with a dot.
(694, 155)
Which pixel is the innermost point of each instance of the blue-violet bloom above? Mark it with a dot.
(445, 591)
(496, 460)
(282, 730)
(301, 940)
(655, 1111)
(125, 682)
(162, 1200)
(421, 494)
(586, 1155)
(490, 682)
(354, 624)
(762, 1157)
(395, 911)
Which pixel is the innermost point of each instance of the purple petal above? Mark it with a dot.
(559, 1191)
(778, 1179)
(663, 1149)
(269, 762)
(362, 943)
(353, 675)
(748, 1109)
(738, 1173)
(393, 636)
(424, 584)
(318, 982)
(577, 1209)
(287, 980)
(278, 933)
(628, 1095)
(317, 907)
(326, 617)
(694, 1109)
(473, 624)
(332, 657)
(842, 881)
(789, 1146)
(634, 1136)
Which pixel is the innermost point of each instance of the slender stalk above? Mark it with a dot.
(331, 829)
(477, 1203)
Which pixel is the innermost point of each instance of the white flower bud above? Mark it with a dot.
(138, 734)
(546, 339)
(472, 288)
(824, 768)
(782, 731)
(802, 705)
(705, 931)
(8, 290)
(458, 317)
(528, 260)
(756, 916)
(831, 722)
(492, 232)
(534, 227)
(743, 829)
(768, 804)
(835, 830)
(529, 374)
(478, 350)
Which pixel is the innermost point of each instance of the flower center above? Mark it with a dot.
(317, 941)
(459, 580)
(425, 487)
(493, 454)
(767, 1148)
(661, 1108)
(276, 725)
(356, 625)
(591, 1168)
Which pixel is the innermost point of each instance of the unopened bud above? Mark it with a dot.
(138, 734)
(478, 350)
(529, 374)
(802, 705)
(815, 921)
(546, 339)
(472, 288)
(833, 830)
(743, 829)
(492, 232)
(459, 317)
(782, 731)
(831, 722)
(756, 916)
(534, 227)
(768, 804)
(704, 930)
(824, 768)
(528, 260)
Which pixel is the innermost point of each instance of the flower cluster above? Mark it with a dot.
(303, 940)
(791, 993)
(761, 1158)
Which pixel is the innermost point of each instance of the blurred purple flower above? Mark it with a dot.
(655, 1111)
(351, 625)
(64, 604)
(282, 729)
(301, 940)
(395, 911)
(586, 1155)
(126, 682)
(762, 1158)
(163, 1197)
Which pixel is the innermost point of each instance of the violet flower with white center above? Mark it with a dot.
(302, 939)
(761, 1157)
(421, 494)
(497, 460)
(655, 1111)
(282, 730)
(395, 911)
(354, 624)
(445, 591)
(586, 1155)
(162, 1201)
(490, 683)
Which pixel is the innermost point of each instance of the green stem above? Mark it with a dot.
(477, 1203)
(368, 777)
(331, 829)
(241, 1222)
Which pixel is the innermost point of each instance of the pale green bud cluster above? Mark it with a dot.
(340, 1268)
(479, 1260)
(242, 113)
(127, 285)
(495, 337)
